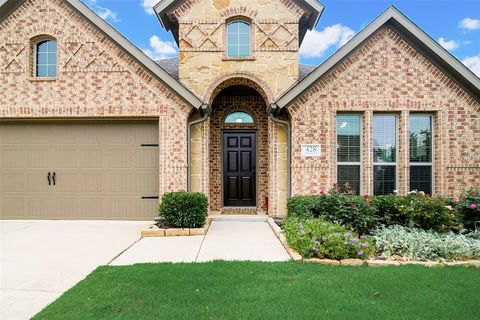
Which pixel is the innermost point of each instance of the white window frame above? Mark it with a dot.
(35, 62)
(342, 163)
(419, 164)
(237, 20)
(397, 141)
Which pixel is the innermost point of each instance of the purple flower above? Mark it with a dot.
(348, 234)
(314, 239)
(361, 253)
(316, 249)
(365, 244)
(355, 240)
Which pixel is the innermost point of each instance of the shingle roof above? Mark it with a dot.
(171, 67)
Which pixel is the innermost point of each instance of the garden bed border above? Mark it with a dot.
(154, 231)
(279, 233)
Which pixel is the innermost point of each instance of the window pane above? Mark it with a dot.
(244, 39)
(52, 58)
(42, 71)
(46, 59)
(238, 39)
(384, 179)
(239, 117)
(42, 46)
(52, 71)
(348, 138)
(350, 175)
(243, 51)
(421, 138)
(243, 27)
(384, 138)
(421, 178)
(42, 58)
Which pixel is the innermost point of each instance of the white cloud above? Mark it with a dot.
(160, 49)
(106, 14)
(470, 24)
(317, 42)
(148, 5)
(449, 45)
(473, 63)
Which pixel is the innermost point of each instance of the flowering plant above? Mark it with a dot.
(322, 239)
(468, 208)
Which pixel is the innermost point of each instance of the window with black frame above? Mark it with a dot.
(348, 152)
(384, 153)
(421, 150)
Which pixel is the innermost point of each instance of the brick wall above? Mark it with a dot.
(222, 107)
(386, 74)
(95, 78)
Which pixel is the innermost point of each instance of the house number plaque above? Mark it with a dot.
(310, 150)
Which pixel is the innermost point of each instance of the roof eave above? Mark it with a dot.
(413, 33)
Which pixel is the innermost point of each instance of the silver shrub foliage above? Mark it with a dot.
(418, 244)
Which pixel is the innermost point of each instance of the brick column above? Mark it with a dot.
(367, 157)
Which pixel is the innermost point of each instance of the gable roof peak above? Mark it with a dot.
(415, 36)
(164, 7)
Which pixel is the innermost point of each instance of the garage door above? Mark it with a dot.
(78, 170)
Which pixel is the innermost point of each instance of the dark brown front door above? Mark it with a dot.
(239, 163)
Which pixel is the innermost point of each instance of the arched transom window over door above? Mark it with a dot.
(238, 39)
(239, 117)
(46, 59)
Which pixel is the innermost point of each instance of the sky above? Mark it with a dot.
(454, 24)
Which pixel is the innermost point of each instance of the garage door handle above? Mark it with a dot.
(48, 177)
(53, 178)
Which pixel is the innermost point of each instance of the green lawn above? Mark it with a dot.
(251, 290)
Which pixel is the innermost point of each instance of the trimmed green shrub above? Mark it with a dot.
(184, 209)
(365, 213)
(316, 237)
(427, 212)
(468, 208)
(418, 244)
(387, 210)
(301, 206)
(345, 208)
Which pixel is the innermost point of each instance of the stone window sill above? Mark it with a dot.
(42, 79)
(238, 58)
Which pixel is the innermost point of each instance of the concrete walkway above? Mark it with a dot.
(39, 260)
(229, 238)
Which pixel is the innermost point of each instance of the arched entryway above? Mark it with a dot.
(238, 148)
(238, 153)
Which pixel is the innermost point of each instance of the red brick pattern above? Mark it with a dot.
(95, 78)
(223, 106)
(386, 74)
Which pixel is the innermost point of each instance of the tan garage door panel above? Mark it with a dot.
(101, 171)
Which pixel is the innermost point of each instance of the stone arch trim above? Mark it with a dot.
(239, 78)
(236, 11)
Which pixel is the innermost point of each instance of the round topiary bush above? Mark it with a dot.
(184, 209)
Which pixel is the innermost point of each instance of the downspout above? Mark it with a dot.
(271, 113)
(206, 113)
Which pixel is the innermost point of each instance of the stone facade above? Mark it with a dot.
(274, 42)
(386, 74)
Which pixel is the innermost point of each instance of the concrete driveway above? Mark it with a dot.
(42, 259)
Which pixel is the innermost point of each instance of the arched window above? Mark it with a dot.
(46, 59)
(239, 117)
(238, 39)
